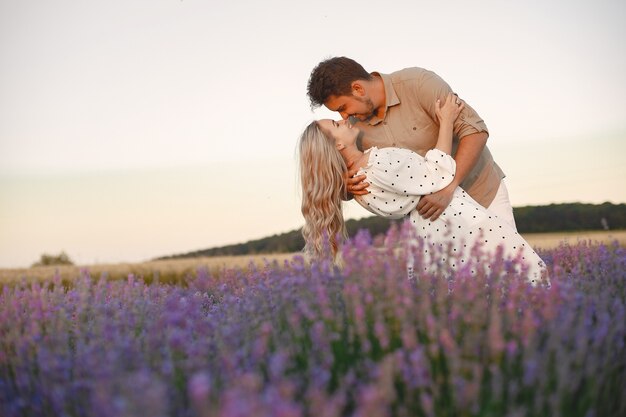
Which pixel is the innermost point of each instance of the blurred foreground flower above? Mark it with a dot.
(312, 339)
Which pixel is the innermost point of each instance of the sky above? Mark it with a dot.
(140, 128)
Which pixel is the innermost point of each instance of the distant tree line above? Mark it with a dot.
(572, 217)
(569, 217)
(47, 260)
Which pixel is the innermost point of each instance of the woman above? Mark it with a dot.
(397, 178)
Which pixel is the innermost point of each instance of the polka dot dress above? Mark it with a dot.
(399, 177)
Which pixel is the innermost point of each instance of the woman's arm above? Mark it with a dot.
(447, 114)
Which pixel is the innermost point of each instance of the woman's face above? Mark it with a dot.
(341, 131)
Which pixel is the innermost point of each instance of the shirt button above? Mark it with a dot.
(384, 123)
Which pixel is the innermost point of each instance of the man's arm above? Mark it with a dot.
(467, 154)
(470, 147)
(473, 134)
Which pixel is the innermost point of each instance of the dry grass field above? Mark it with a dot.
(552, 240)
(174, 271)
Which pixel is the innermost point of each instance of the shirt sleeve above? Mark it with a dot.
(432, 87)
(399, 177)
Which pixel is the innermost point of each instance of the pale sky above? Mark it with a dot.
(131, 129)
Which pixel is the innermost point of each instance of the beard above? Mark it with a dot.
(370, 110)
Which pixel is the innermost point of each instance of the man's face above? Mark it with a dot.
(360, 107)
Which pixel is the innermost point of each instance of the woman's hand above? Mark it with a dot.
(450, 110)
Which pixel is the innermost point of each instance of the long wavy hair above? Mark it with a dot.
(322, 171)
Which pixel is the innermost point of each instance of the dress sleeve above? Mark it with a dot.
(398, 177)
(405, 172)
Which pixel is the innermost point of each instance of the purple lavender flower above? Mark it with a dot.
(312, 339)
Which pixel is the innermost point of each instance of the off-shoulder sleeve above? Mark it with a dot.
(398, 177)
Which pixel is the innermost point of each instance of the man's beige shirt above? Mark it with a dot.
(410, 122)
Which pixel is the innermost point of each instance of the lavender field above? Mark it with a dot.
(299, 339)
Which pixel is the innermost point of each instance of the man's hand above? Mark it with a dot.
(432, 205)
(355, 185)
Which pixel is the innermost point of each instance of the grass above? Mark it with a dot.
(175, 270)
(164, 271)
(553, 240)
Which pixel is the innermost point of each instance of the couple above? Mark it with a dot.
(394, 157)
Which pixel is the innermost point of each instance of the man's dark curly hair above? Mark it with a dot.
(334, 77)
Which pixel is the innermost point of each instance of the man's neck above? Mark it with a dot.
(378, 96)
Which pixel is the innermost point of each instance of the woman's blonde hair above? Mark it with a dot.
(322, 171)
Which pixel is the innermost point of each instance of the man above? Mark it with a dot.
(398, 109)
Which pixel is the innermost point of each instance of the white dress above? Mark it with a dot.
(399, 177)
